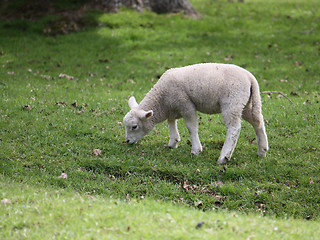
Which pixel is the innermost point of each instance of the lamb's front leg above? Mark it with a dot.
(192, 125)
(173, 133)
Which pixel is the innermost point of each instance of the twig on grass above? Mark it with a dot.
(278, 92)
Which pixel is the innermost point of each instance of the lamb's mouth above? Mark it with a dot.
(130, 141)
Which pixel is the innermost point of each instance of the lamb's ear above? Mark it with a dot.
(133, 103)
(145, 114)
(148, 114)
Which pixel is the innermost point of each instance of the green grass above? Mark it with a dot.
(43, 133)
(38, 213)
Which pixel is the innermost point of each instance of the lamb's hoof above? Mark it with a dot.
(173, 144)
(196, 152)
(222, 161)
(262, 152)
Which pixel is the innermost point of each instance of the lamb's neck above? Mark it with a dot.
(153, 102)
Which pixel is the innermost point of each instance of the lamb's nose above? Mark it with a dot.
(127, 141)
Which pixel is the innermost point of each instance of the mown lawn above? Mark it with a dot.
(64, 96)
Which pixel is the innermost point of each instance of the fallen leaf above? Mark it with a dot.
(200, 224)
(63, 175)
(128, 197)
(61, 103)
(199, 204)
(27, 107)
(229, 58)
(104, 60)
(97, 152)
(251, 141)
(186, 185)
(75, 104)
(6, 201)
(63, 75)
(311, 181)
(131, 81)
(219, 198)
(294, 94)
(77, 112)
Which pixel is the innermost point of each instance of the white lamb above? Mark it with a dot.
(208, 88)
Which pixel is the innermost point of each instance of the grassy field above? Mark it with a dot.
(44, 212)
(64, 96)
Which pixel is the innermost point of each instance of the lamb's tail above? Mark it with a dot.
(255, 97)
(257, 118)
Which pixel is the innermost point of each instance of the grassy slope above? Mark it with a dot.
(277, 41)
(38, 213)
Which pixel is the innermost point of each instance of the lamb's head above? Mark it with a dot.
(138, 122)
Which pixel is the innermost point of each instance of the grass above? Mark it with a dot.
(39, 212)
(51, 125)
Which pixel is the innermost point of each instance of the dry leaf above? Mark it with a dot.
(5, 201)
(77, 112)
(199, 225)
(27, 107)
(219, 198)
(104, 60)
(61, 103)
(97, 152)
(131, 81)
(128, 197)
(61, 75)
(311, 181)
(199, 204)
(218, 183)
(75, 104)
(186, 185)
(63, 175)
(229, 58)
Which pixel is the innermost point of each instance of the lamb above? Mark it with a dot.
(209, 88)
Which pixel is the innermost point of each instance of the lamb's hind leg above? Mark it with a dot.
(173, 133)
(258, 124)
(233, 123)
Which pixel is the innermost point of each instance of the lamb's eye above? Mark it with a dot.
(134, 127)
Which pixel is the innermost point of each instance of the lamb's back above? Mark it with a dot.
(206, 85)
